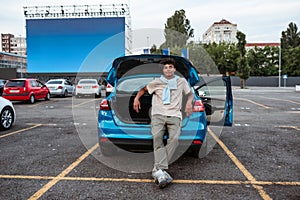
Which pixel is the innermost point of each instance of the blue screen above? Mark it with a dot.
(74, 45)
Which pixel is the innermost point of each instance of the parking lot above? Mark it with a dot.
(46, 154)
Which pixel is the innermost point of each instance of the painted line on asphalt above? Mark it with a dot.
(75, 106)
(291, 101)
(133, 180)
(241, 167)
(290, 127)
(19, 131)
(41, 103)
(259, 104)
(56, 179)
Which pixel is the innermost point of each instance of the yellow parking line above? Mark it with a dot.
(242, 168)
(74, 106)
(178, 181)
(261, 105)
(51, 183)
(291, 101)
(292, 127)
(18, 131)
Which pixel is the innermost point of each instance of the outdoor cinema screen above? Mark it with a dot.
(74, 44)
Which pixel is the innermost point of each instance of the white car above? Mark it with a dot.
(88, 87)
(60, 87)
(7, 114)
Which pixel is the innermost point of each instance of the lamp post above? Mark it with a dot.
(279, 66)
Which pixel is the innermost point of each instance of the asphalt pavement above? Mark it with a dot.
(51, 152)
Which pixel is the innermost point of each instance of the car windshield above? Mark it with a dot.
(54, 82)
(15, 83)
(88, 82)
(133, 84)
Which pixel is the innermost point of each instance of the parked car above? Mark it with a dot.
(120, 126)
(60, 87)
(88, 87)
(25, 89)
(2, 82)
(7, 114)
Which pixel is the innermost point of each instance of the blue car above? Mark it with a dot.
(119, 126)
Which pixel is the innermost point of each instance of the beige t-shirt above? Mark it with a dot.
(174, 108)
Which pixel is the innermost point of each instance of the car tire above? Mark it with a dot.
(108, 150)
(48, 96)
(6, 118)
(31, 99)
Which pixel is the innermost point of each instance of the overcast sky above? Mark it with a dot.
(260, 20)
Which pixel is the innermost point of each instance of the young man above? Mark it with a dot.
(168, 91)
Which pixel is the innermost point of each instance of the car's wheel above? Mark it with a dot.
(31, 99)
(7, 118)
(108, 150)
(47, 97)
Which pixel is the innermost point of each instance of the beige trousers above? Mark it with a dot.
(159, 126)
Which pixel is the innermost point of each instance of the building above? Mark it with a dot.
(249, 46)
(222, 31)
(13, 61)
(12, 44)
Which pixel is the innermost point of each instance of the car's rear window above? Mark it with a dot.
(88, 82)
(15, 83)
(133, 85)
(54, 82)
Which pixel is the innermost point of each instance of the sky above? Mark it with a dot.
(260, 20)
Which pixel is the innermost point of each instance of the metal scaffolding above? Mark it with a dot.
(84, 11)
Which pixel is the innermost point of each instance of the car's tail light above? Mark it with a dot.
(104, 105)
(60, 87)
(197, 142)
(95, 86)
(79, 86)
(198, 106)
(24, 89)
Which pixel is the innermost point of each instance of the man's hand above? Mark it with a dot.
(136, 105)
(189, 104)
(188, 109)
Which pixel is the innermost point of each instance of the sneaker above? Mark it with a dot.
(162, 178)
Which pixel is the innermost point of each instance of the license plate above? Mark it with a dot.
(14, 91)
(86, 87)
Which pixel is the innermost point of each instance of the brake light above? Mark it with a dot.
(198, 106)
(60, 87)
(79, 86)
(104, 105)
(197, 142)
(95, 86)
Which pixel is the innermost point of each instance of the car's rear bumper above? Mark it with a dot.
(16, 97)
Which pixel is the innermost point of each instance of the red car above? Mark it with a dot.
(25, 89)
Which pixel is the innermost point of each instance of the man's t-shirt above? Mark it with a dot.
(157, 87)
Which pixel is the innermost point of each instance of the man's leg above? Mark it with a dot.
(160, 154)
(174, 129)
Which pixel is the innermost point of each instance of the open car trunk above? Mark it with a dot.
(122, 102)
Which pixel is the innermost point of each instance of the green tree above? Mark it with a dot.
(243, 70)
(290, 42)
(177, 30)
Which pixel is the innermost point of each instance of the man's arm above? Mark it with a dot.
(189, 104)
(136, 102)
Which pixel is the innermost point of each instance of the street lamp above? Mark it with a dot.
(279, 66)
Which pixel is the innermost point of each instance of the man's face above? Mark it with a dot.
(168, 71)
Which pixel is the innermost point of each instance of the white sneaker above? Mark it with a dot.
(162, 178)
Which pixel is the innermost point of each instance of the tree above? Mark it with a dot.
(177, 30)
(290, 37)
(243, 70)
(290, 44)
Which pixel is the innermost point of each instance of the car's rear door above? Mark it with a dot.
(216, 95)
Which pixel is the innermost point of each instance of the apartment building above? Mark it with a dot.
(12, 44)
(222, 31)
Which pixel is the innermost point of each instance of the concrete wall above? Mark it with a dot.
(267, 81)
